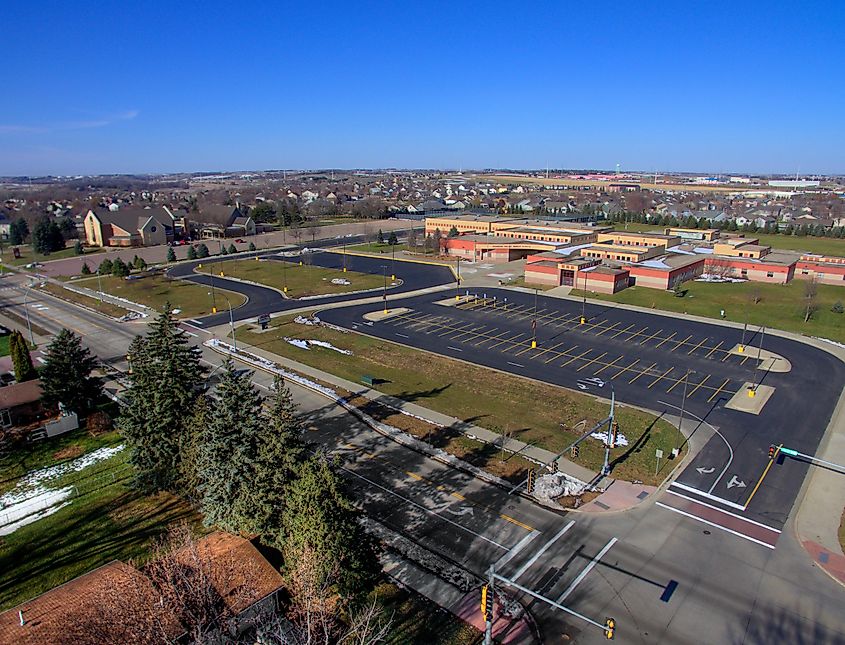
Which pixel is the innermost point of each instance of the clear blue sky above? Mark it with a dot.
(111, 87)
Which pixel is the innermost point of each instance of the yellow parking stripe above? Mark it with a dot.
(678, 343)
(633, 336)
(695, 389)
(505, 340)
(591, 362)
(610, 364)
(641, 373)
(644, 341)
(603, 331)
(721, 342)
(624, 369)
(465, 326)
(622, 331)
(575, 358)
(689, 353)
(716, 393)
(651, 385)
(473, 331)
(559, 354)
(667, 339)
(548, 349)
(489, 338)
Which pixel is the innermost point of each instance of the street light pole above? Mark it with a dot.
(584, 301)
(26, 311)
(99, 284)
(458, 281)
(605, 469)
(384, 292)
(683, 402)
(534, 323)
(213, 300)
(231, 322)
(392, 261)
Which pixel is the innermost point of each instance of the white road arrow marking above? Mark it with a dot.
(736, 481)
(466, 510)
(705, 471)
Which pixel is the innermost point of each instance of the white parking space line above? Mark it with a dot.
(586, 570)
(427, 510)
(454, 349)
(542, 550)
(516, 549)
(402, 335)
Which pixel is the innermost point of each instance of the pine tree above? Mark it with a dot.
(165, 379)
(232, 249)
(105, 267)
(119, 268)
(171, 255)
(189, 467)
(392, 239)
(202, 251)
(77, 248)
(140, 263)
(227, 452)
(223, 250)
(85, 270)
(318, 515)
(380, 237)
(192, 253)
(279, 453)
(21, 360)
(66, 375)
(251, 246)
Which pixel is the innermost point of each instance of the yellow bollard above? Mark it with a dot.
(199, 266)
(214, 310)
(393, 277)
(583, 320)
(751, 392)
(285, 289)
(221, 274)
(740, 349)
(533, 344)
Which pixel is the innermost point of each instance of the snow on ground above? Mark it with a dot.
(707, 277)
(621, 439)
(322, 343)
(296, 342)
(549, 487)
(32, 498)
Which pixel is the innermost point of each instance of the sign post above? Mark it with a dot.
(659, 454)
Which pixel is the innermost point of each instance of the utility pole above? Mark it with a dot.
(534, 323)
(458, 281)
(26, 311)
(584, 301)
(384, 292)
(683, 402)
(99, 284)
(231, 322)
(605, 469)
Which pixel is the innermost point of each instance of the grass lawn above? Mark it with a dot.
(156, 289)
(4, 345)
(94, 303)
(842, 532)
(418, 620)
(808, 244)
(301, 281)
(375, 247)
(780, 306)
(530, 411)
(105, 520)
(27, 255)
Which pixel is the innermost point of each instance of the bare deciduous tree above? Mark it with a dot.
(811, 289)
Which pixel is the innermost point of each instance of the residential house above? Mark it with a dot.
(20, 404)
(128, 226)
(225, 221)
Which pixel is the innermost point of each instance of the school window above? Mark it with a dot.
(744, 272)
(770, 274)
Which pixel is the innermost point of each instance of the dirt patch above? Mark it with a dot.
(574, 501)
(68, 452)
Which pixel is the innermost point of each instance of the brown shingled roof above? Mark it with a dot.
(17, 394)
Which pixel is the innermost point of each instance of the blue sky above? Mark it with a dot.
(153, 87)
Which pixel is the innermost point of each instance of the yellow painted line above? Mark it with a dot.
(437, 322)
(527, 349)
(575, 358)
(593, 325)
(457, 496)
(689, 353)
(512, 341)
(695, 389)
(622, 331)
(606, 365)
(667, 339)
(413, 475)
(712, 351)
(719, 389)
(591, 362)
(559, 354)
(604, 331)
(645, 340)
(660, 377)
(641, 373)
(508, 518)
(487, 338)
(742, 362)
(548, 349)
(635, 334)
(472, 331)
(624, 369)
(678, 343)
(459, 328)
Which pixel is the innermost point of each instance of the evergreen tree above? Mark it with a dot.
(223, 250)
(18, 230)
(453, 232)
(192, 253)
(202, 251)
(380, 237)
(227, 452)
(171, 255)
(189, 481)
(21, 360)
(280, 451)
(119, 268)
(165, 379)
(251, 246)
(232, 249)
(318, 515)
(105, 267)
(85, 270)
(77, 248)
(392, 239)
(66, 375)
(140, 263)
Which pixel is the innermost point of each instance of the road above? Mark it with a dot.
(410, 276)
(662, 576)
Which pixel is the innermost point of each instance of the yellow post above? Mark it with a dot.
(214, 310)
(751, 392)
(393, 277)
(221, 274)
(199, 266)
(583, 320)
(740, 349)
(257, 258)
(285, 289)
(344, 269)
(533, 344)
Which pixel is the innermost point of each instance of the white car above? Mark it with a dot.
(594, 381)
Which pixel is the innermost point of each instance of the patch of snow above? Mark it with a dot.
(827, 340)
(709, 277)
(322, 343)
(340, 281)
(33, 509)
(296, 342)
(621, 439)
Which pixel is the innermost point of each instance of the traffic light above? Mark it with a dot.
(609, 628)
(772, 451)
(573, 452)
(487, 603)
(532, 476)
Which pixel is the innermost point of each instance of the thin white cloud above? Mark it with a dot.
(69, 125)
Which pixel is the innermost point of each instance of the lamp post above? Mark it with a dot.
(683, 403)
(99, 284)
(344, 255)
(213, 300)
(584, 301)
(384, 292)
(231, 322)
(458, 281)
(26, 311)
(753, 389)
(605, 469)
(534, 323)
(393, 262)
(285, 275)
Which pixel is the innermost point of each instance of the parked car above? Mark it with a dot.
(239, 241)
